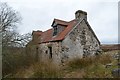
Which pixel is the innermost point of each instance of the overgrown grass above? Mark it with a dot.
(90, 67)
(99, 71)
(80, 62)
(94, 67)
(105, 58)
(96, 71)
(39, 70)
(46, 70)
(85, 62)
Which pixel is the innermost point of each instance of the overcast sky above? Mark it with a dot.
(39, 15)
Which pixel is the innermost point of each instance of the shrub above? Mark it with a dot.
(13, 59)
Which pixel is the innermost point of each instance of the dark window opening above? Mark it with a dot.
(36, 54)
(46, 51)
(55, 31)
(50, 52)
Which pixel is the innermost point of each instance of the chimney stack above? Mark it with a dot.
(80, 14)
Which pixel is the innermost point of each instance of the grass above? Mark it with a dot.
(46, 70)
(86, 62)
(39, 70)
(80, 63)
(99, 71)
(89, 67)
(94, 67)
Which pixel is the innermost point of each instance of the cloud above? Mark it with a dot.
(39, 14)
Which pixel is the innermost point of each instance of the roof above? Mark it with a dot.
(47, 36)
(61, 22)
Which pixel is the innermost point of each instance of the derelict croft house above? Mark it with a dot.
(65, 40)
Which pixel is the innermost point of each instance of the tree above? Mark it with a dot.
(13, 51)
(25, 38)
(21, 40)
(9, 19)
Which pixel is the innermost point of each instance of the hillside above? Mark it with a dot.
(90, 67)
(109, 47)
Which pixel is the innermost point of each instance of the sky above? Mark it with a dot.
(39, 15)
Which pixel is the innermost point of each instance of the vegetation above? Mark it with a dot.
(46, 70)
(89, 67)
(94, 67)
(13, 52)
(39, 70)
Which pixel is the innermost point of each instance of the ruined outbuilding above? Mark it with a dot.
(65, 40)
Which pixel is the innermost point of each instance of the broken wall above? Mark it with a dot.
(45, 52)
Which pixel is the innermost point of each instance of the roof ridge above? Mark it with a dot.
(61, 20)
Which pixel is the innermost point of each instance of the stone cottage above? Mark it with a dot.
(65, 40)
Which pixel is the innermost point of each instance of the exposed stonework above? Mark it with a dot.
(74, 39)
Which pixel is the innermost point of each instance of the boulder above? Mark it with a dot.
(116, 73)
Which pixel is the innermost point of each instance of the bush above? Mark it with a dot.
(13, 59)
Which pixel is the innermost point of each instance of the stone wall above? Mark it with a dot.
(45, 52)
(79, 43)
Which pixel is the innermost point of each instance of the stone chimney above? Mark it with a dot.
(80, 14)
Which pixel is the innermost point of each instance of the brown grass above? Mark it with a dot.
(46, 70)
(105, 58)
(93, 67)
(85, 62)
(81, 62)
(89, 67)
(39, 70)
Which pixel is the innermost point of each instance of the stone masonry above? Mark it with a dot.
(65, 40)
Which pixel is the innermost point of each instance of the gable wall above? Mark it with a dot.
(80, 41)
